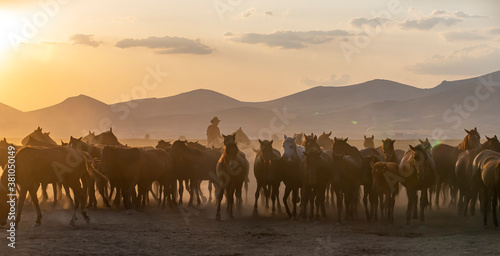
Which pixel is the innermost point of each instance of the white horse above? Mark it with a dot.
(292, 150)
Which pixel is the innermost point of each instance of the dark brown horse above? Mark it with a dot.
(417, 171)
(369, 142)
(347, 177)
(231, 171)
(324, 140)
(261, 166)
(49, 165)
(40, 136)
(106, 138)
(93, 150)
(386, 191)
(391, 154)
(316, 169)
(166, 145)
(446, 156)
(468, 178)
(488, 162)
(231, 139)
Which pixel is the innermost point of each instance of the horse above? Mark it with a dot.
(417, 171)
(299, 137)
(287, 169)
(106, 138)
(324, 140)
(316, 169)
(369, 142)
(348, 173)
(166, 145)
(386, 191)
(88, 138)
(80, 144)
(40, 136)
(468, 179)
(391, 154)
(241, 138)
(49, 165)
(262, 162)
(445, 157)
(488, 163)
(426, 144)
(231, 139)
(231, 171)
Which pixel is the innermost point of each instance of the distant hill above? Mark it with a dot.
(380, 107)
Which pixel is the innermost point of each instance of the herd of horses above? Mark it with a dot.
(315, 170)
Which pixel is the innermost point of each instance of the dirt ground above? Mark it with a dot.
(194, 231)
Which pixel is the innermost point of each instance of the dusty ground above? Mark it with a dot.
(196, 232)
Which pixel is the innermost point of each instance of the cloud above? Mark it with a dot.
(466, 61)
(289, 39)
(167, 45)
(87, 40)
(268, 13)
(495, 31)
(472, 35)
(374, 22)
(333, 80)
(247, 13)
(437, 17)
(126, 19)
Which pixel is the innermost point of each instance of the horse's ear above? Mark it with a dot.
(412, 148)
(224, 136)
(284, 136)
(426, 139)
(420, 141)
(272, 142)
(346, 139)
(373, 137)
(392, 142)
(71, 137)
(260, 141)
(475, 129)
(495, 137)
(255, 150)
(196, 141)
(324, 133)
(487, 138)
(335, 138)
(315, 137)
(364, 136)
(330, 134)
(80, 138)
(111, 129)
(468, 132)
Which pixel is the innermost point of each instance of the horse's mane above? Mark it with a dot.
(464, 145)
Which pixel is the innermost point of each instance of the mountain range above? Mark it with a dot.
(380, 107)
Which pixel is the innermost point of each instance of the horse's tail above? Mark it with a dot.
(100, 179)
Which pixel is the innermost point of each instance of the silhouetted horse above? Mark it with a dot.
(49, 165)
(347, 176)
(287, 169)
(386, 191)
(369, 142)
(89, 137)
(241, 138)
(445, 157)
(391, 154)
(425, 144)
(468, 178)
(299, 138)
(93, 150)
(418, 172)
(488, 163)
(39, 136)
(106, 138)
(261, 166)
(166, 145)
(324, 140)
(231, 139)
(316, 169)
(232, 170)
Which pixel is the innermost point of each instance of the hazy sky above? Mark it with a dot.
(250, 50)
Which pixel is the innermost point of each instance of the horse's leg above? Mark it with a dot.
(230, 201)
(285, 198)
(276, 189)
(473, 201)
(54, 190)
(339, 205)
(181, 191)
(365, 203)
(210, 191)
(295, 199)
(267, 194)
(20, 204)
(257, 193)
(68, 194)
(439, 183)
(34, 198)
(409, 194)
(494, 204)
(423, 204)
(487, 201)
(219, 201)
(415, 203)
(303, 203)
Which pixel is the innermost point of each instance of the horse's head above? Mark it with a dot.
(388, 145)
(242, 137)
(493, 143)
(266, 147)
(426, 144)
(340, 145)
(312, 165)
(290, 148)
(325, 141)
(369, 142)
(163, 144)
(420, 161)
(228, 139)
(64, 144)
(298, 138)
(74, 142)
(311, 143)
(378, 167)
(473, 139)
